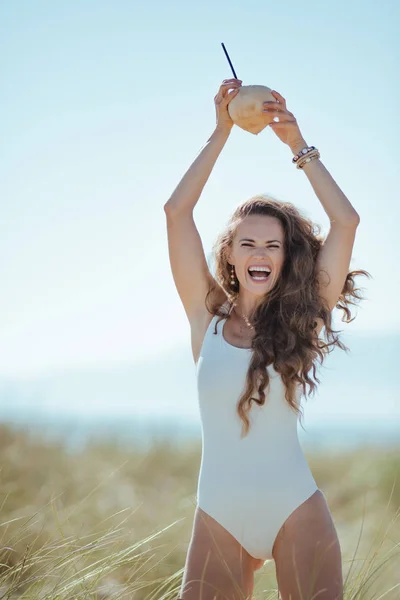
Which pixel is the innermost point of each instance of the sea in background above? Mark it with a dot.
(357, 402)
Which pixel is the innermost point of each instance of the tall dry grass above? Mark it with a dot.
(113, 522)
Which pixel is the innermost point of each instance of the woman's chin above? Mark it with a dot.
(262, 285)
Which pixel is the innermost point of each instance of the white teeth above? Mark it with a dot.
(259, 268)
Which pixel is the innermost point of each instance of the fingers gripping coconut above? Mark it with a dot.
(252, 108)
(222, 100)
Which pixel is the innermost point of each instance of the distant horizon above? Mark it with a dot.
(356, 388)
(74, 432)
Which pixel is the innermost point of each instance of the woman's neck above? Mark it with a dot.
(245, 307)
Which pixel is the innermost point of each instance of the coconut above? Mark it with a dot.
(246, 108)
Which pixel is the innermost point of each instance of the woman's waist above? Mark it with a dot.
(254, 474)
(266, 456)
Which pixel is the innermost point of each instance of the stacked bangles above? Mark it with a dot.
(305, 156)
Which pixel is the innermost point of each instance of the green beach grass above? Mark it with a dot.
(112, 521)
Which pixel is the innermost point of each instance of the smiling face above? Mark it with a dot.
(258, 241)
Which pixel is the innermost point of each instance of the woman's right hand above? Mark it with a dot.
(221, 101)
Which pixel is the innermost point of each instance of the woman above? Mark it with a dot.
(276, 284)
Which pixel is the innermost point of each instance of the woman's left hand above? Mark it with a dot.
(286, 128)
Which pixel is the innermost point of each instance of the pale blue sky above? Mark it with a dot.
(104, 106)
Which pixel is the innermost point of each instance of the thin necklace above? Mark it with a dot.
(245, 318)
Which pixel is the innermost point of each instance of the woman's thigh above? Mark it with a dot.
(307, 554)
(217, 567)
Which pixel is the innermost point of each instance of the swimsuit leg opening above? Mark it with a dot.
(289, 515)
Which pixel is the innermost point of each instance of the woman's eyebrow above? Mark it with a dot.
(250, 240)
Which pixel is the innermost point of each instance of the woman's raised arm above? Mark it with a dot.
(186, 194)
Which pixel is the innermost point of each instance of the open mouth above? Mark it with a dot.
(259, 276)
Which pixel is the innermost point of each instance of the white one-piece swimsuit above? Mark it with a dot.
(250, 486)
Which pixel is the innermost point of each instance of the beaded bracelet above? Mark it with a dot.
(311, 153)
(302, 153)
(307, 158)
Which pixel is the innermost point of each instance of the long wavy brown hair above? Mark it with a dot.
(284, 320)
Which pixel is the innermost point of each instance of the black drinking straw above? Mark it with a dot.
(229, 60)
